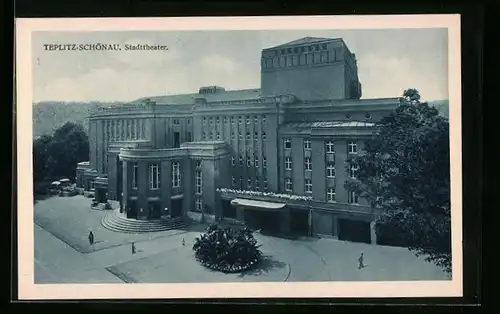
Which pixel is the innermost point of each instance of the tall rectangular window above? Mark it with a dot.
(308, 186)
(233, 181)
(308, 164)
(249, 162)
(154, 177)
(264, 162)
(176, 175)
(288, 185)
(135, 173)
(264, 136)
(256, 162)
(353, 170)
(263, 119)
(247, 119)
(256, 136)
(330, 147)
(288, 163)
(352, 198)
(330, 195)
(330, 170)
(249, 183)
(257, 183)
(233, 161)
(241, 161)
(265, 184)
(352, 147)
(307, 144)
(198, 204)
(198, 182)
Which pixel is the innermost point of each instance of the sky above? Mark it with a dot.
(389, 61)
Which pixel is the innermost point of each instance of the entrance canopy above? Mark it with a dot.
(257, 204)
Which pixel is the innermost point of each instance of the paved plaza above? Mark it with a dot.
(63, 254)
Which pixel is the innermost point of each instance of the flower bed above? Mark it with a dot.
(267, 194)
(227, 250)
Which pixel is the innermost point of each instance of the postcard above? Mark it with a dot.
(239, 157)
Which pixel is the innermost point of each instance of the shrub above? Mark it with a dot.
(227, 250)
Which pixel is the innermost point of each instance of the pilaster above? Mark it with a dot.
(125, 185)
(142, 190)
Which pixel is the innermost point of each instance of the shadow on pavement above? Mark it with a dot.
(266, 265)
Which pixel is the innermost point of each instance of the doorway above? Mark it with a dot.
(132, 209)
(299, 222)
(266, 221)
(177, 141)
(354, 231)
(176, 210)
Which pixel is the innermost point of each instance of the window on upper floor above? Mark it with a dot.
(308, 164)
(308, 186)
(307, 144)
(288, 185)
(154, 176)
(233, 161)
(330, 195)
(249, 137)
(330, 147)
(249, 183)
(240, 160)
(330, 170)
(352, 198)
(198, 204)
(249, 162)
(256, 136)
(198, 182)
(352, 147)
(264, 162)
(176, 175)
(288, 163)
(264, 136)
(288, 143)
(353, 170)
(233, 181)
(135, 176)
(263, 119)
(256, 162)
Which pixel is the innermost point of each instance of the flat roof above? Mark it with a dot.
(257, 204)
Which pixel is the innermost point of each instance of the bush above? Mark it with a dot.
(227, 250)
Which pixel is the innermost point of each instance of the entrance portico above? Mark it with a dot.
(269, 216)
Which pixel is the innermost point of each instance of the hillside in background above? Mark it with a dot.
(48, 116)
(442, 106)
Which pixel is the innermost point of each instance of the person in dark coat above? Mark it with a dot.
(360, 261)
(91, 238)
(133, 248)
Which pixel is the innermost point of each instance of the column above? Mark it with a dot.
(373, 232)
(240, 213)
(187, 184)
(142, 190)
(166, 187)
(285, 220)
(124, 198)
(335, 227)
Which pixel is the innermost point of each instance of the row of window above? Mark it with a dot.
(217, 136)
(316, 47)
(154, 177)
(330, 192)
(250, 183)
(178, 122)
(232, 119)
(249, 161)
(294, 60)
(352, 147)
(330, 167)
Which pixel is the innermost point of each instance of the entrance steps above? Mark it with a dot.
(118, 222)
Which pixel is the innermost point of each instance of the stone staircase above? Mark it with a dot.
(116, 221)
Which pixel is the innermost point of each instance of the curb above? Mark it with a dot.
(120, 275)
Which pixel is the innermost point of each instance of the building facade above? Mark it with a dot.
(273, 157)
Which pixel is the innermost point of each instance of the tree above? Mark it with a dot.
(68, 147)
(404, 171)
(40, 157)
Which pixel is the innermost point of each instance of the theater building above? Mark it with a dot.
(273, 158)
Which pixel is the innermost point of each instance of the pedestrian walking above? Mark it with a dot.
(360, 261)
(133, 248)
(91, 238)
(183, 242)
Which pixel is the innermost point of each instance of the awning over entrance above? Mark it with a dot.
(257, 204)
